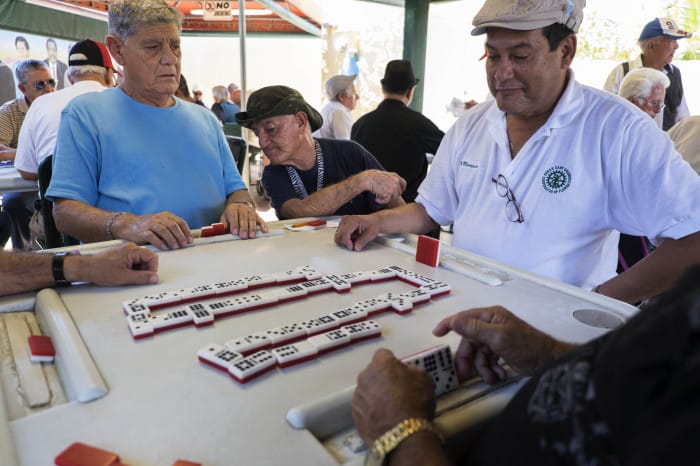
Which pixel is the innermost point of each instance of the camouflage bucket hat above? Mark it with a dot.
(275, 101)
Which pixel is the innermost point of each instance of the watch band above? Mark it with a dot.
(391, 439)
(57, 269)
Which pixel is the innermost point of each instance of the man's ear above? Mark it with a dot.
(22, 88)
(115, 45)
(302, 119)
(568, 50)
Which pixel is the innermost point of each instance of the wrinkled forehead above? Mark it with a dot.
(274, 121)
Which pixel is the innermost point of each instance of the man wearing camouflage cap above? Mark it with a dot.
(310, 176)
(541, 177)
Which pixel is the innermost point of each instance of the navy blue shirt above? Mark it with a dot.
(341, 159)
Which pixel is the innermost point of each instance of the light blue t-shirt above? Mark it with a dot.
(120, 155)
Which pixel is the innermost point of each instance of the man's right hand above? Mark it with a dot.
(386, 186)
(163, 230)
(491, 333)
(355, 231)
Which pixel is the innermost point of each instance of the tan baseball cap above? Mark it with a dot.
(526, 15)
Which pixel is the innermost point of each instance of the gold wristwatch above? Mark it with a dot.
(391, 439)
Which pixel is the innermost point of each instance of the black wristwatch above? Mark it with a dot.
(57, 269)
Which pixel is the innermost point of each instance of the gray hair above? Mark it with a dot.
(640, 82)
(27, 66)
(78, 73)
(125, 17)
(220, 92)
(233, 87)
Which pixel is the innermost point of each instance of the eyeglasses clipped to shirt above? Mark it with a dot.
(40, 85)
(513, 212)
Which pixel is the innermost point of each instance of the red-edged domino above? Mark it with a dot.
(339, 284)
(133, 306)
(348, 315)
(139, 325)
(358, 278)
(252, 366)
(291, 293)
(259, 281)
(168, 320)
(382, 275)
(317, 286)
(416, 296)
(329, 341)
(222, 307)
(81, 454)
(293, 332)
(428, 251)
(217, 356)
(162, 299)
(41, 348)
(309, 272)
(295, 353)
(320, 324)
(363, 330)
(219, 228)
(373, 305)
(197, 293)
(436, 289)
(438, 362)
(248, 302)
(249, 344)
(290, 276)
(229, 287)
(201, 315)
(398, 304)
(185, 462)
(206, 232)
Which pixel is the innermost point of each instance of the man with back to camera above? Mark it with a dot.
(310, 177)
(658, 42)
(90, 70)
(545, 175)
(163, 166)
(337, 119)
(398, 136)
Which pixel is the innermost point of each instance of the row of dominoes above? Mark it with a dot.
(324, 333)
(142, 323)
(242, 367)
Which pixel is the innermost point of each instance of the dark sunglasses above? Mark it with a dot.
(40, 85)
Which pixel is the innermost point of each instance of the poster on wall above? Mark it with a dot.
(18, 46)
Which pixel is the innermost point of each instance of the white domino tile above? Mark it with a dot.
(348, 315)
(197, 293)
(249, 344)
(166, 320)
(295, 353)
(437, 289)
(139, 325)
(320, 324)
(201, 315)
(339, 284)
(259, 281)
(363, 330)
(133, 306)
(291, 293)
(382, 275)
(229, 287)
(252, 366)
(373, 305)
(217, 356)
(416, 296)
(438, 362)
(329, 341)
(317, 286)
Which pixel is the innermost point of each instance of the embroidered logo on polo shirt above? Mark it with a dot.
(467, 164)
(556, 179)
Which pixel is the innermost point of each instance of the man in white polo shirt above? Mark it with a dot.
(90, 69)
(545, 175)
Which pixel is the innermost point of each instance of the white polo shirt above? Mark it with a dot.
(596, 166)
(37, 137)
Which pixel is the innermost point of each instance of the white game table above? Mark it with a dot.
(11, 181)
(162, 404)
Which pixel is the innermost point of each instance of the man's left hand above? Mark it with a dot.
(389, 391)
(242, 220)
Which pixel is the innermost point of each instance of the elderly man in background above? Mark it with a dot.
(658, 42)
(337, 119)
(234, 94)
(90, 69)
(33, 80)
(223, 108)
(398, 136)
(161, 166)
(645, 88)
(314, 177)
